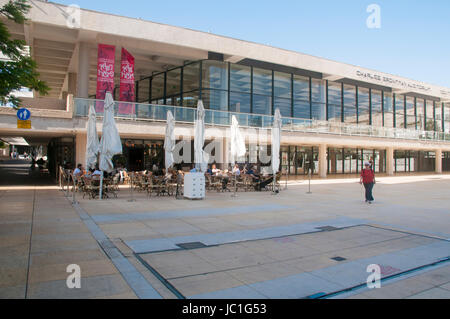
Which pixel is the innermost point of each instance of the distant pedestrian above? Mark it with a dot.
(367, 178)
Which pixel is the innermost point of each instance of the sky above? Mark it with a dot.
(412, 40)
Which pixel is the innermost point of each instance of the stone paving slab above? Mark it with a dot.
(194, 271)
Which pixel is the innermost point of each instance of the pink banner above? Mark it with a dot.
(126, 83)
(105, 72)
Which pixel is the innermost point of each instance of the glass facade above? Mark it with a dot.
(350, 113)
(351, 161)
(414, 161)
(239, 88)
(334, 102)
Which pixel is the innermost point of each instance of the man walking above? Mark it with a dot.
(367, 178)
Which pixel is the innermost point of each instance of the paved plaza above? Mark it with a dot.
(255, 245)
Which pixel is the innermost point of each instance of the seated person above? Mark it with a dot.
(236, 170)
(215, 170)
(264, 183)
(78, 171)
(97, 172)
(256, 177)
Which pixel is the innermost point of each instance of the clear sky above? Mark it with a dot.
(413, 40)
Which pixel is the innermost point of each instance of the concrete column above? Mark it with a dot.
(439, 161)
(80, 149)
(390, 161)
(83, 71)
(323, 161)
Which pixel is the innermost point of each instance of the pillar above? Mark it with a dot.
(390, 161)
(323, 161)
(83, 71)
(80, 148)
(439, 161)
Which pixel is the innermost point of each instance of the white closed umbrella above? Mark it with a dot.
(92, 143)
(276, 141)
(169, 141)
(237, 148)
(201, 158)
(110, 143)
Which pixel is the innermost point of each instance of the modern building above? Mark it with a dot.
(335, 115)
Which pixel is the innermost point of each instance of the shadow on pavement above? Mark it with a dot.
(20, 173)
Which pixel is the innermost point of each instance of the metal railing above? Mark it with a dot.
(154, 112)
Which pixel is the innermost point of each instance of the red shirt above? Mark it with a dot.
(368, 176)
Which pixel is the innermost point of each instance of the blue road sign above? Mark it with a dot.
(23, 114)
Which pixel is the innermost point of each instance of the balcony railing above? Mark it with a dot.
(158, 113)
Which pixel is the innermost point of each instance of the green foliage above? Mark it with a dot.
(20, 70)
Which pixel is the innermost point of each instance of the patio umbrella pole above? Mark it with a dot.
(287, 177)
(131, 187)
(235, 186)
(74, 201)
(101, 186)
(309, 183)
(274, 184)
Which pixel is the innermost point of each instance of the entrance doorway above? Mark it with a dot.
(136, 159)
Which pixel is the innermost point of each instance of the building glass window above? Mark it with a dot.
(262, 91)
(438, 116)
(143, 91)
(215, 75)
(350, 161)
(429, 121)
(350, 104)
(215, 99)
(240, 102)
(173, 82)
(283, 93)
(420, 110)
(399, 111)
(388, 110)
(191, 77)
(410, 113)
(447, 118)
(377, 111)
(318, 97)
(335, 161)
(302, 107)
(240, 78)
(363, 106)
(158, 86)
(334, 102)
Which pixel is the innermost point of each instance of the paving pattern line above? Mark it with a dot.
(137, 282)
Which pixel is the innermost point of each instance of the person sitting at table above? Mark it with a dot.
(265, 182)
(256, 177)
(97, 172)
(236, 170)
(215, 171)
(78, 171)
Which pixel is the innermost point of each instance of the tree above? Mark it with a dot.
(19, 70)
